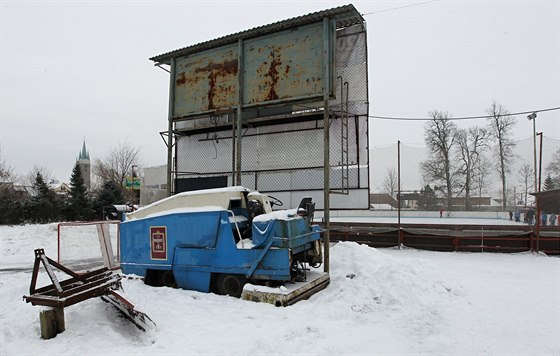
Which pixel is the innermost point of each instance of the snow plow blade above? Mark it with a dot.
(141, 320)
(287, 294)
(101, 283)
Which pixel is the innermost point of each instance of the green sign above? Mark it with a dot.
(132, 183)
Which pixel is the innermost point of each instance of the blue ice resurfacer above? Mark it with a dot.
(227, 241)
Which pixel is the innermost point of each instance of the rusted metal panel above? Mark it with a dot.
(206, 81)
(277, 67)
(284, 65)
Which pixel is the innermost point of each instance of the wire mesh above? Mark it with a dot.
(289, 156)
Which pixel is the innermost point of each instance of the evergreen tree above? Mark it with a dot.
(109, 194)
(553, 168)
(11, 203)
(427, 199)
(549, 183)
(45, 205)
(79, 206)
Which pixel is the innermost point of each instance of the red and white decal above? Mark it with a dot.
(158, 242)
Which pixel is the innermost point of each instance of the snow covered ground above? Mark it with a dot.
(380, 301)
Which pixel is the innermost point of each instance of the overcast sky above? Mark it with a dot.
(72, 70)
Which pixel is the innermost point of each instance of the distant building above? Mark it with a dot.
(383, 201)
(154, 186)
(85, 165)
(549, 200)
(18, 191)
(411, 200)
(59, 188)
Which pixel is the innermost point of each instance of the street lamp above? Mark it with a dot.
(533, 118)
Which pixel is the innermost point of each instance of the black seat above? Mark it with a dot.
(306, 209)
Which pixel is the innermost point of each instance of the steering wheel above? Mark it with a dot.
(274, 201)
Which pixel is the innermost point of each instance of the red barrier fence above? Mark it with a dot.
(440, 237)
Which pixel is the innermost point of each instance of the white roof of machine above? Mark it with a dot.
(218, 197)
(179, 211)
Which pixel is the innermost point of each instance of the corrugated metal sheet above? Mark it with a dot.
(345, 15)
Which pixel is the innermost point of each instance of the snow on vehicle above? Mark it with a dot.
(222, 240)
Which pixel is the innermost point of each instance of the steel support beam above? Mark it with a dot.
(170, 126)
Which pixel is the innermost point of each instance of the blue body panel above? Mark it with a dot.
(198, 244)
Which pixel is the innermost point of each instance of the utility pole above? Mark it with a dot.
(533, 118)
(399, 237)
(539, 194)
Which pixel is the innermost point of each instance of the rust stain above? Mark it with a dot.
(182, 79)
(215, 71)
(227, 67)
(273, 74)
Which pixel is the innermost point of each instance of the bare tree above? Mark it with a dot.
(391, 181)
(117, 164)
(501, 124)
(525, 176)
(482, 172)
(553, 167)
(6, 171)
(11, 202)
(440, 136)
(510, 194)
(390, 184)
(471, 143)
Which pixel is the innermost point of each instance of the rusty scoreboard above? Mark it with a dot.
(250, 109)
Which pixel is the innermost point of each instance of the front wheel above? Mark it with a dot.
(231, 284)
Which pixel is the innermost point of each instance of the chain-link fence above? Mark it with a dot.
(286, 154)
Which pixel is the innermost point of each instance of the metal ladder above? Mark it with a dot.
(344, 154)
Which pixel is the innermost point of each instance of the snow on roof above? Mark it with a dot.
(277, 215)
(198, 192)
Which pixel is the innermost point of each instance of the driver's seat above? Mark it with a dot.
(306, 209)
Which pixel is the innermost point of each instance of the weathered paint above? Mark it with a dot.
(284, 65)
(281, 66)
(206, 81)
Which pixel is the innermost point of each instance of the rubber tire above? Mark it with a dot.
(168, 279)
(231, 284)
(152, 278)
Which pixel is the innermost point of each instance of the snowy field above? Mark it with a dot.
(380, 301)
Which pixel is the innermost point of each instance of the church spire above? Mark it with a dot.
(84, 154)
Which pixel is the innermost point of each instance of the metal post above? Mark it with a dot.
(326, 144)
(233, 145)
(239, 112)
(539, 193)
(399, 237)
(533, 118)
(170, 125)
(535, 151)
